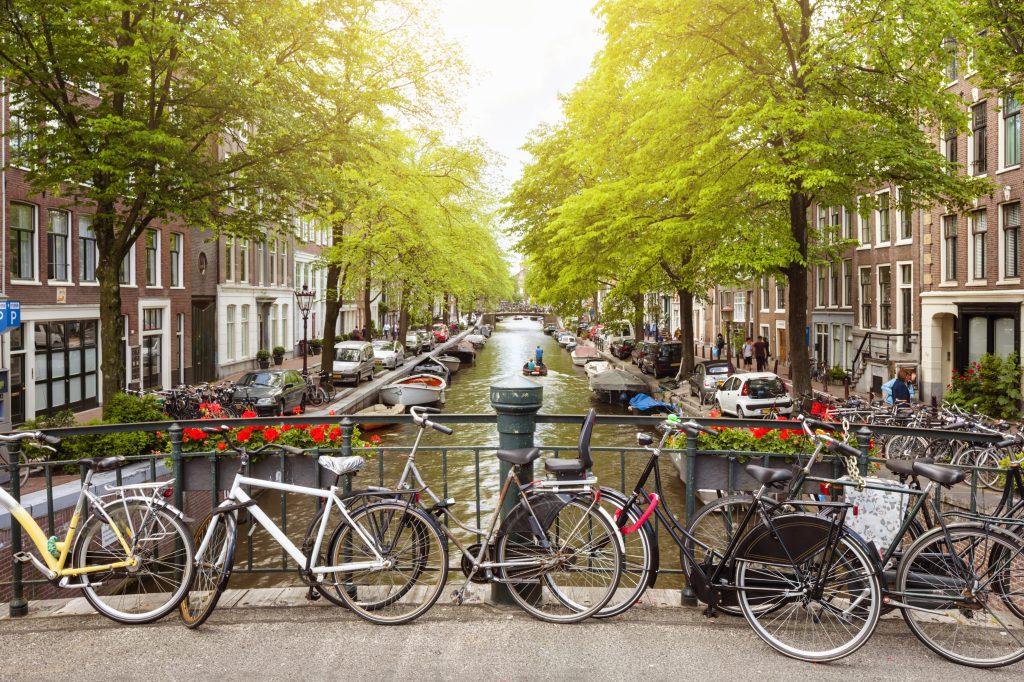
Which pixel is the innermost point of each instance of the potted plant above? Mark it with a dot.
(263, 358)
(278, 355)
(314, 346)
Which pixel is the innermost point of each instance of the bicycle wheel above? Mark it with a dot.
(163, 551)
(417, 555)
(965, 593)
(806, 618)
(639, 561)
(213, 568)
(711, 530)
(984, 458)
(905, 447)
(574, 576)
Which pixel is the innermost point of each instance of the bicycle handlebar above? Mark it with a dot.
(25, 435)
(423, 422)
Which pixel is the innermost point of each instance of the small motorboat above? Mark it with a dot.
(449, 361)
(617, 385)
(570, 346)
(581, 355)
(378, 410)
(565, 339)
(464, 352)
(596, 367)
(540, 370)
(486, 330)
(432, 366)
(415, 389)
(478, 340)
(518, 317)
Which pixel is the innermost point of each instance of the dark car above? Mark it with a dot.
(270, 391)
(622, 349)
(707, 377)
(640, 351)
(662, 359)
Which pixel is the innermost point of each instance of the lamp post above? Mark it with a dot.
(304, 297)
(727, 319)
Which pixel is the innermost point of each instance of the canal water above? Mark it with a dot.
(469, 452)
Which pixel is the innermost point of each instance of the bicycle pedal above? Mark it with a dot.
(312, 595)
(23, 557)
(66, 584)
(710, 612)
(458, 597)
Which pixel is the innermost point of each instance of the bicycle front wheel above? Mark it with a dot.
(965, 593)
(821, 609)
(213, 564)
(639, 561)
(574, 576)
(415, 566)
(160, 561)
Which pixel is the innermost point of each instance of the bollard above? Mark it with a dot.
(177, 465)
(18, 606)
(517, 400)
(689, 597)
(346, 437)
(846, 388)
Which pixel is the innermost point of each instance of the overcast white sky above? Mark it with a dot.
(522, 53)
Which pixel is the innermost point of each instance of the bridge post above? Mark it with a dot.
(517, 400)
(18, 606)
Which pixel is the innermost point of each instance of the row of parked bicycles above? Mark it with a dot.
(790, 557)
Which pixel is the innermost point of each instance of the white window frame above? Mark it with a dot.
(972, 218)
(68, 264)
(971, 138)
(863, 227)
(765, 293)
(847, 292)
(899, 286)
(900, 239)
(35, 246)
(1001, 147)
(87, 218)
(878, 295)
(944, 279)
(230, 258)
(157, 281)
(179, 268)
(1003, 279)
(246, 346)
(130, 257)
(878, 217)
(860, 294)
(231, 334)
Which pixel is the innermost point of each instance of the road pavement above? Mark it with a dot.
(471, 642)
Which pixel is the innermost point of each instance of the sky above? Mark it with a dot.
(522, 54)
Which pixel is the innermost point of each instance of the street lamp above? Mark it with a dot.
(727, 319)
(304, 297)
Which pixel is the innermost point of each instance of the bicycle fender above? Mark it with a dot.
(869, 549)
(796, 537)
(148, 500)
(611, 522)
(545, 505)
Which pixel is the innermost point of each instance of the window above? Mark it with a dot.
(21, 135)
(243, 260)
(86, 249)
(57, 246)
(979, 139)
(979, 228)
(865, 297)
(847, 283)
(230, 337)
(820, 298)
(245, 331)
(949, 149)
(23, 241)
(283, 268)
(179, 331)
(229, 259)
(885, 297)
(949, 244)
(152, 240)
(175, 243)
(904, 215)
(260, 264)
(780, 295)
(764, 293)
(1011, 240)
(884, 228)
(833, 288)
(906, 303)
(949, 46)
(126, 274)
(152, 319)
(847, 223)
(1011, 131)
(865, 225)
(284, 325)
(272, 258)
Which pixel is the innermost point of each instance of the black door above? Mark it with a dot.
(204, 340)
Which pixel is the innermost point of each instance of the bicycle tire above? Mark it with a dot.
(398, 593)
(780, 618)
(934, 574)
(982, 457)
(163, 546)
(578, 530)
(213, 568)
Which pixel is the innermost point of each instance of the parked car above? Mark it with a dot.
(390, 354)
(662, 359)
(353, 361)
(640, 351)
(753, 395)
(707, 377)
(426, 340)
(440, 332)
(622, 348)
(270, 391)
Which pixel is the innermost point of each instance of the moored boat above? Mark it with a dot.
(415, 389)
(596, 367)
(478, 340)
(565, 339)
(450, 361)
(617, 385)
(581, 355)
(464, 352)
(378, 410)
(432, 366)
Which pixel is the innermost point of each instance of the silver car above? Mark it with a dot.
(390, 354)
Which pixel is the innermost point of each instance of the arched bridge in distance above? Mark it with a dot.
(492, 317)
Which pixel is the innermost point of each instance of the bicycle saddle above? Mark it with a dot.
(905, 467)
(105, 464)
(939, 474)
(766, 475)
(342, 465)
(519, 455)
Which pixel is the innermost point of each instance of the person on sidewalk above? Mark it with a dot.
(719, 346)
(761, 353)
(748, 353)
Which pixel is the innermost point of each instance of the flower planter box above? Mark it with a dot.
(298, 470)
(720, 472)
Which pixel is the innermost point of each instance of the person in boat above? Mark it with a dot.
(539, 353)
(530, 365)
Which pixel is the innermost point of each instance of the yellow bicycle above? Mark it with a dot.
(132, 558)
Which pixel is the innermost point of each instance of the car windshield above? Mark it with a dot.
(261, 379)
(383, 345)
(671, 351)
(717, 369)
(348, 355)
(766, 388)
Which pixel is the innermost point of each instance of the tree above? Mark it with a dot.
(209, 112)
(997, 46)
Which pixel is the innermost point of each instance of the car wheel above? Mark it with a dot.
(717, 406)
(643, 368)
(280, 407)
(302, 405)
(692, 392)
(654, 372)
(739, 412)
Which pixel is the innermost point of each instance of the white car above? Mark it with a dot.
(753, 395)
(390, 354)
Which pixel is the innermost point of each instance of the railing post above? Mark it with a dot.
(689, 597)
(18, 605)
(174, 434)
(346, 437)
(864, 443)
(516, 400)
(846, 388)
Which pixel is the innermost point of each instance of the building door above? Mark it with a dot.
(65, 366)
(204, 340)
(781, 345)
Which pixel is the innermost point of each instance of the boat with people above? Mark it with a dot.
(539, 369)
(581, 355)
(378, 410)
(415, 389)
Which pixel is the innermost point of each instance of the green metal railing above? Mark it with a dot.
(606, 458)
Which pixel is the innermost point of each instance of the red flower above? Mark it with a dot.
(248, 414)
(286, 427)
(194, 434)
(159, 434)
(222, 445)
(245, 434)
(332, 413)
(296, 410)
(271, 434)
(317, 434)
(375, 438)
(301, 427)
(335, 433)
(714, 413)
(759, 432)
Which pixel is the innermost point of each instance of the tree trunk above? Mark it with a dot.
(686, 326)
(332, 306)
(796, 273)
(638, 316)
(403, 316)
(367, 321)
(446, 316)
(112, 368)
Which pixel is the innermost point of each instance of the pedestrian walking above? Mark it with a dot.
(748, 353)
(719, 346)
(761, 353)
